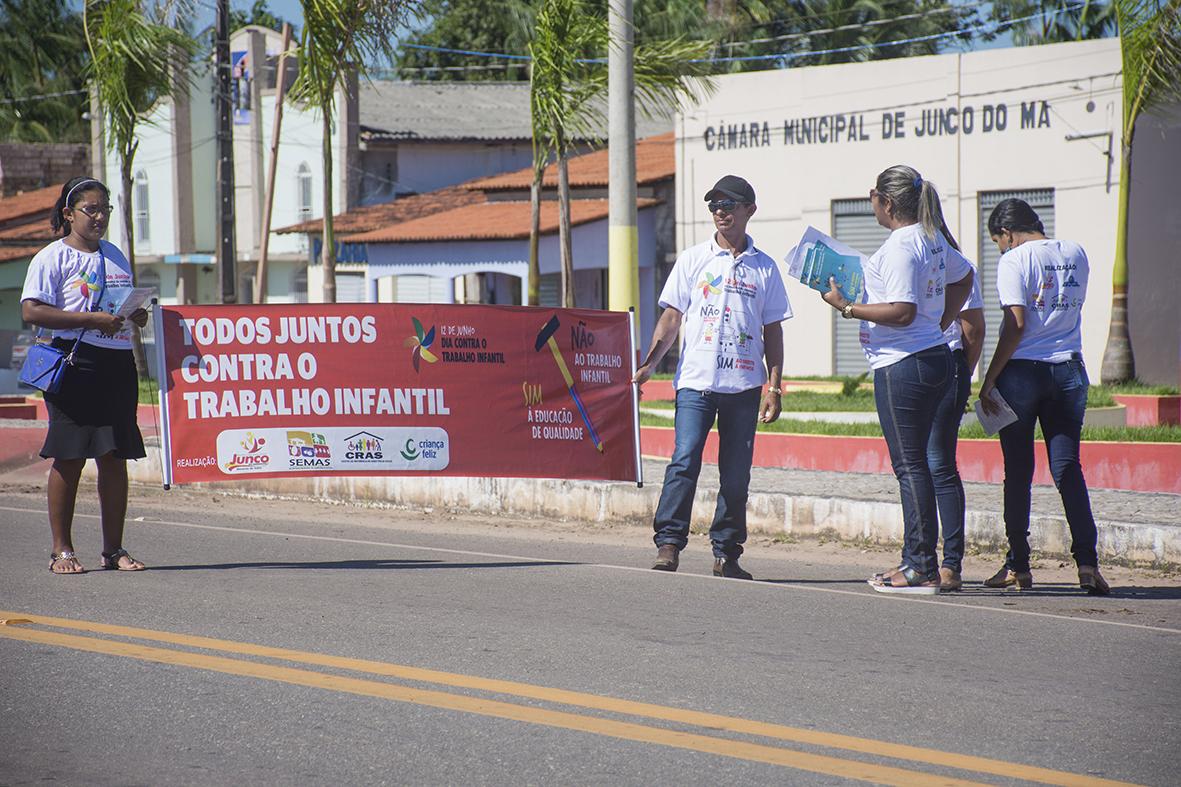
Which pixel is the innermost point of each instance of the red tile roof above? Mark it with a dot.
(376, 217)
(508, 220)
(24, 222)
(9, 253)
(29, 205)
(655, 161)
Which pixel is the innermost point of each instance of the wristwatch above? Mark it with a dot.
(847, 312)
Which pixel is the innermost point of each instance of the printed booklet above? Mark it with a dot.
(818, 256)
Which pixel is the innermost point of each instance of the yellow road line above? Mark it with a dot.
(609, 704)
(815, 763)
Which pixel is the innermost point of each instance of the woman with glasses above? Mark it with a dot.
(69, 288)
(1038, 370)
(915, 285)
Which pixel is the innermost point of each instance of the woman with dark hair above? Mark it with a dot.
(93, 415)
(915, 285)
(1038, 370)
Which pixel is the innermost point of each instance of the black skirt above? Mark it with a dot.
(93, 414)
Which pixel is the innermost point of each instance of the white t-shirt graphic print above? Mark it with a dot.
(69, 279)
(725, 302)
(1049, 278)
(909, 268)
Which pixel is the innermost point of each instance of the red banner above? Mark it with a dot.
(395, 389)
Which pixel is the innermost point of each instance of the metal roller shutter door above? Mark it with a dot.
(423, 289)
(1042, 201)
(350, 288)
(853, 223)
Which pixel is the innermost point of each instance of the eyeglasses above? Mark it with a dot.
(93, 211)
(874, 193)
(728, 205)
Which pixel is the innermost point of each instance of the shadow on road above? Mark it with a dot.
(363, 564)
(1162, 593)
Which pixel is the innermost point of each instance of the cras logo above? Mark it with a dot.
(251, 456)
(710, 284)
(306, 450)
(363, 447)
(420, 343)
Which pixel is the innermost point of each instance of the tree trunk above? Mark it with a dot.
(533, 294)
(328, 251)
(126, 159)
(1119, 366)
(567, 252)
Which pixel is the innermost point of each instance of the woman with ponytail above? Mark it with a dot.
(93, 414)
(1038, 370)
(915, 285)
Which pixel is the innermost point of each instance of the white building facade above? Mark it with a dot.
(1040, 123)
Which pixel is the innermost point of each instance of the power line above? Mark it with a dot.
(59, 94)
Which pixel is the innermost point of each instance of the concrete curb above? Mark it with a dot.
(769, 513)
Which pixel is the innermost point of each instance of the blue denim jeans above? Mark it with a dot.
(949, 489)
(907, 394)
(1054, 394)
(737, 415)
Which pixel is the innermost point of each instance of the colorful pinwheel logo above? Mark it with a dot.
(86, 282)
(421, 343)
(709, 285)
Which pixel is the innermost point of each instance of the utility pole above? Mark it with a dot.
(227, 261)
(260, 285)
(623, 238)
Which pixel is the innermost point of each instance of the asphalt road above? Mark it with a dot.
(280, 642)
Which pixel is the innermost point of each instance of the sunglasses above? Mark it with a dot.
(94, 211)
(727, 205)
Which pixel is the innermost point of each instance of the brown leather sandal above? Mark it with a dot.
(111, 561)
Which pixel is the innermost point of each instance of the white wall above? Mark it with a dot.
(797, 181)
(154, 157)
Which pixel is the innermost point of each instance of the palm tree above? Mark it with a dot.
(340, 38)
(568, 88)
(42, 59)
(1150, 47)
(135, 56)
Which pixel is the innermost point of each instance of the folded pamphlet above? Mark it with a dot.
(818, 257)
(994, 423)
(124, 302)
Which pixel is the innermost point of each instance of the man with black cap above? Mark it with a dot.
(730, 299)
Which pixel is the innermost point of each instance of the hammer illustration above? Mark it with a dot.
(546, 336)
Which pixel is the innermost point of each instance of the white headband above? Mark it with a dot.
(70, 193)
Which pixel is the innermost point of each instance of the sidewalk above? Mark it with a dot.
(1133, 526)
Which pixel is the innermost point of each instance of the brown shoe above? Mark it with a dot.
(1090, 580)
(1006, 578)
(668, 557)
(950, 580)
(729, 568)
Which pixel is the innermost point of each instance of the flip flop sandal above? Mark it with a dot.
(111, 561)
(912, 582)
(65, 555)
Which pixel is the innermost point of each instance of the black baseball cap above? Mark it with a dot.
(733, 187)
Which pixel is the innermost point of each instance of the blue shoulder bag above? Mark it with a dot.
(45, 365)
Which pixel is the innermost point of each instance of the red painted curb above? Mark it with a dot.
(1137, 467)
(1150, 410)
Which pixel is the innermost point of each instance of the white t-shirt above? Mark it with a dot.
(725, 302)
(69, 279)
(1049, 278)
(909, 268)
(954, 335)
